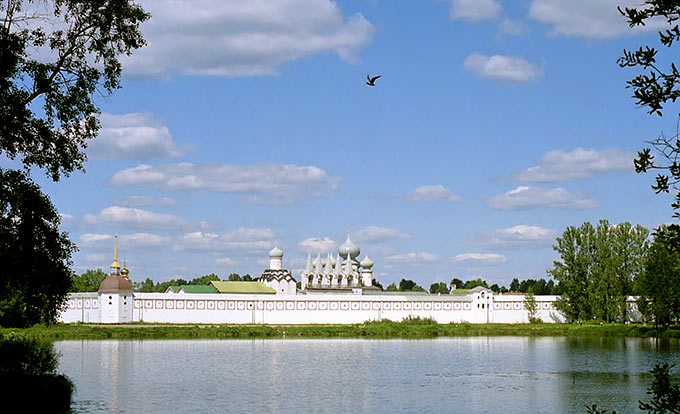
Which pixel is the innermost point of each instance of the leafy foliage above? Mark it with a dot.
(659, 283)
(654, 88)
(85, 39)
(35, 255)
(439, 287)
(531, 306)
(88, 281)
(665, 394)
(596, 268)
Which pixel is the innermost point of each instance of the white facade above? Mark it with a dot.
(478, 306)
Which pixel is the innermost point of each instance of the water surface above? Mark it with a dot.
(470, 374)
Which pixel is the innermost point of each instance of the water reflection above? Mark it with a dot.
(474, 374)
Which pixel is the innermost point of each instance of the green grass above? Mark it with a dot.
(410, 328)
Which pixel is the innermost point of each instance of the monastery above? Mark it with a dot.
(336, 289)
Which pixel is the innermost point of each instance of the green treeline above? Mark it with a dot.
(91, 279)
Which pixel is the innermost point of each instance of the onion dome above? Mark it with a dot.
(349, 247)
(276, 252)
(366, 263)
(125, 272)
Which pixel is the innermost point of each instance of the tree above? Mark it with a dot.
(665, 394)
(146, 286)
(439, 287)
(473, 283)
(659, 282)
(51, 66)
(456, 282)
(88, 281)
(234, 277)
(204, 280)
(531, 306)
(596, 268)
(85, 42)
(35, 255)
(655, 88)
(392, 288)
(406, 284)
(247, 278)
(377, 284)
(514, 285)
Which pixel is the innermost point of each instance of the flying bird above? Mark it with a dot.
(370, 81)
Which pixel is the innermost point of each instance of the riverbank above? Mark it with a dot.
(383, 329)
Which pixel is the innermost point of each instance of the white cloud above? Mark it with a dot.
(129, 240)
(560, 165)
(434, 193)
(587, 18)
(413, 257)
(250, 234)
(260, 184)
(200, 241)
(93, 238)
(509, 69)
(143, 240)
(135, 217)
(379, 234)
(243, 37)
(318, 245)
(480, 258)
(525, 197)
(241, 238)
(517, 236)
(512, 27)
(474, 9)
(226, 261)
(146, 201)
(135, 136)
(96, 258)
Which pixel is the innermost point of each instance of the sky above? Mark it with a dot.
(246, 124)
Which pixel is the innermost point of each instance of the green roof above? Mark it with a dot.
(242, 287)
(198, 289)
(173, 288)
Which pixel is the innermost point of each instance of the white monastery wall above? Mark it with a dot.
(305, 309)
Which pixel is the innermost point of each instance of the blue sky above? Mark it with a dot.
(245, 124)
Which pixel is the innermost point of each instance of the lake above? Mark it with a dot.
(443, 375)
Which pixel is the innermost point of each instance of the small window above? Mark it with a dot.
(110, 297)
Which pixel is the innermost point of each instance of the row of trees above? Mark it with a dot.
(90, 280)
(597, 267)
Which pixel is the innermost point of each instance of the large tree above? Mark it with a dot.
(596, 268)
(659, 283)
(55, 57)
(655, 88)
(35, 255)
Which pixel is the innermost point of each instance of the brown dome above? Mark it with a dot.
(115, 284)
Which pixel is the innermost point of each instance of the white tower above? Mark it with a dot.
(276, 258)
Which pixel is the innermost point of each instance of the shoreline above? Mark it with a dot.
(413, 329)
